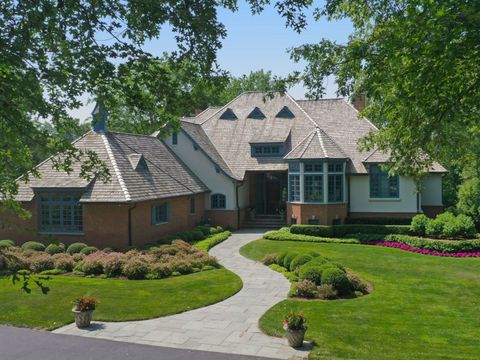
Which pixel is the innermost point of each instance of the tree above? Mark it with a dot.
(418, 64)
(469, 199)
(52, 52)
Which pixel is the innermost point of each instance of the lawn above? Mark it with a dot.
(120, 300)
(422, 307)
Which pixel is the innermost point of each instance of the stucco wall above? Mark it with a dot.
(361, 203)
(432, 190)
(205, 169)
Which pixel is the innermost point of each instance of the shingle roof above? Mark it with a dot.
(379, 157)
(164, 176)
(317, 145)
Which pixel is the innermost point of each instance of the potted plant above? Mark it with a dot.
(83, 310)
(295, 325)
(251, 213)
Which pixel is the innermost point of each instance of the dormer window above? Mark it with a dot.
(285, 113)
(138, 162)
(228, 115)
(270, 149)
(256, 114)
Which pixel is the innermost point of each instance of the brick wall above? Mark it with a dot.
(325, 213)
(381, 215)
(107, 224)
(225, 218)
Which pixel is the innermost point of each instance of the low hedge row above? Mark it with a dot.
(281, 235)
(191, 236)
(444, 246)
(211, 241)
(379, 221)
(339, 231)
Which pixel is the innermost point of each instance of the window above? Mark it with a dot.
(313, 188)
(228, 115)
(294, 167)
(285, 113)
(294, 188)
(381, 185)
(218, 201)
(60, 213)
(335, 167)
(174, 138)
(274, 149)
(335, 188)
(313, 167)
(160, 214)
(256, 114)
(192, 205)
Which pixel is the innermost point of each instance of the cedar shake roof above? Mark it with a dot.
(317, 145)
(228, 142)
(379, 157)
(164, 175)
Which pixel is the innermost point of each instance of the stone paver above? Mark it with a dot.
(230, 326)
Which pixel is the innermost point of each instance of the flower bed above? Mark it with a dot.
(425, 251)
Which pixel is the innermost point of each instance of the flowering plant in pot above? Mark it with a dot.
(83, 310)
(295, 325)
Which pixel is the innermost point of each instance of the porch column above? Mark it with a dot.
(302, 188)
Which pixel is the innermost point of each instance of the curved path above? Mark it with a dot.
(229, 326)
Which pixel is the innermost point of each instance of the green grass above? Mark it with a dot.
(120, 300)
(422, 307)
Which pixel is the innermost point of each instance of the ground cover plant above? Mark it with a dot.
(421, 306)
(315, 276)
(120, 300)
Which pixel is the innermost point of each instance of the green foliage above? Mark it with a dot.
(135, 269)
(33, 245)
(295, 321)
(378, 221)
(289, 258)
(52, 272)
(281, 257)
(342, 230)
(327, 292)
(419, 224)
(304, 288)
(88, 250)
(337, 278)
(469, 199)
(298, 261)
(212, 240)
(269, 259)
(444, 246)
(461, 225)
(6, 244)
(55, 248)
(281, 235)
(76, 248)
(311, 272)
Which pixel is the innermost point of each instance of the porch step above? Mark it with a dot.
(265, 221)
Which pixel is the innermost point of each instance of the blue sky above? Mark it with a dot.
(256, 42)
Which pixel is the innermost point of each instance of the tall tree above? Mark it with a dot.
(53, 51)
(418, 63)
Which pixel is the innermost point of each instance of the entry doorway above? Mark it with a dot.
(271, 193)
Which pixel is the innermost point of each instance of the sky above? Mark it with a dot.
(256, 42)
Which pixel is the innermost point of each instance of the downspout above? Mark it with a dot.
(130, 208)
(237, 205)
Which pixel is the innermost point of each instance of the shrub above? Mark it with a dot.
(135, 268)
(313, 230)
(212, 240)
(112, 264)
(88, 250)
(186, 236)
(162, 270)
(319, 260)
(183, 266)
(108, 250)
(75, 248)
(312, 273)
(204, 229)
(298, 261)
(41, 263)
(269, 259)
(313, 254)
(52, 272)
(92, 264)
(304, 288)
(469, 199)
(340, 231)
(63, 262)
(436, 245)
(33, 245)
(337, 278)
(327, 292)
(289, 258)
(55, 248)
(462, 225)
(281, 235)
(379, 221)
(419, 224)
(281, 257)
(149, 246)
(15, 261)
(197, 235)
(357, 283)
(6, 244)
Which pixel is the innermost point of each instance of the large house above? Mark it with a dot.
(258, 158)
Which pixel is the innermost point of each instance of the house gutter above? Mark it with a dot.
(130, 208)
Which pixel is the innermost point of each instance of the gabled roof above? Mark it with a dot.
(316, 145)
(165, 175)
(379, 157)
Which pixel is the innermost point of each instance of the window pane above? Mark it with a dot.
(294, 188)
(335, 188)
(382, 185)
(335, 167)
(313, 188)
(294, 167)
(313, 167)
(218, 201)
(60, 213)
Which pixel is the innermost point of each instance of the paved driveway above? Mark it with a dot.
(230, 326)
(26, 344)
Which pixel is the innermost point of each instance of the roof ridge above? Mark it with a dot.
(127, 133)
(363, 117)
(301, 109)
(319, 135)
(111, 156)
(300, 143)
(333, 141)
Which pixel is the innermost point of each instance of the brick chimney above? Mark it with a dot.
(359, 102)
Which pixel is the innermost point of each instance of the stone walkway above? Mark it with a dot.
(230, 326)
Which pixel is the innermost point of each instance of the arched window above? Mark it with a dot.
(218, 201)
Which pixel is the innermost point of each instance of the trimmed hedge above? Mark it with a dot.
(281, 235)
(379, 221)
(33, 245)
(289, 258)
(339, 231)
(55, 248)
(75, 248)
(337, 278)
(211, 241)
(88, 250)
(6, 244)
(444, 246)
(299, 260)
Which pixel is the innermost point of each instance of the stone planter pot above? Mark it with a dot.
(295, 337)
(82, 318)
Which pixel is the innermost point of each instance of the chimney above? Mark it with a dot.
(198, 112)
(99, 118)
(359, 102)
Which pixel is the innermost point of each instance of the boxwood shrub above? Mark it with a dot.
(88, 250)
(337, 278)
(289, 258)
(55, 248)
(33, 245)
(281, 257)
(6, 244)
(311, 272)
(299, 260)
(75, 248)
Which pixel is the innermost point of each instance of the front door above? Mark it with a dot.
(270, 192)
